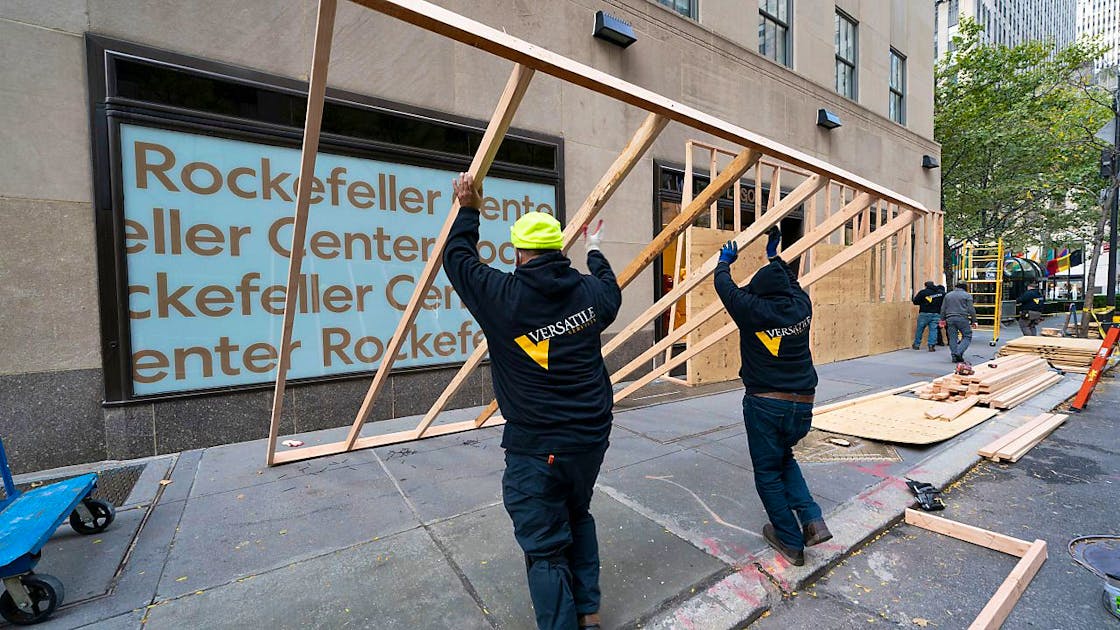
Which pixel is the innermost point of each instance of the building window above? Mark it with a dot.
(898, 88)
(773, 31)
(686, 8)
(845, 55)
(954, 12)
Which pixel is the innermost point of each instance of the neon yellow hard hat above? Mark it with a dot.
(537, 230)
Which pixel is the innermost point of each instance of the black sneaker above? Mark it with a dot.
(795, 557)
(932, 348)
(956, 358)
(915, 347)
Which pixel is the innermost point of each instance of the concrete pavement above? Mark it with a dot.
(414, 535)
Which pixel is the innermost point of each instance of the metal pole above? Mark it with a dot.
(1111, 280)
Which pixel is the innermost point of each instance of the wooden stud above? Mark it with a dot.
(743, 161)
(753, 231)
(816, 274)
(968, 533)
(686, 200)
(637, 147)
(698, 319)
(843, 404)
(444, 22)
(316, 91)
(713, 210)
(999, 607)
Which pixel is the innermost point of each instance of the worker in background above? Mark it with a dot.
(1030, 309)
(543, 324)
(928, 301)
(959, 314)
(773, 314)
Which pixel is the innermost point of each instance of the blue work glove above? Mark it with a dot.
(729, 253)
(774, 238)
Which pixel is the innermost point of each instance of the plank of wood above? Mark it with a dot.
(990, 449)
(955, 410)
(1007, 595)
(1011, 404)
(855, 401)
(1023, 391)
(313, 119)
(1015, 451)
(968, 533)
(507, 106)
(631, 154)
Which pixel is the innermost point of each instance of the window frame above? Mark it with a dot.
(853, 63)
(900, 90)
(693, 8)
(764, 17)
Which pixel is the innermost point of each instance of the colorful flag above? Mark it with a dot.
(1076, 258)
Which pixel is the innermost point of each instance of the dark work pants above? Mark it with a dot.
(549, 505)
(959, 329)
(773, 428)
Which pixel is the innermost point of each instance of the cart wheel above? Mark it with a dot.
(992, 343)
(46, 594)
(103, 514)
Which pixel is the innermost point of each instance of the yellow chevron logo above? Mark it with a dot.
(772, 343)
(536, 351)
(1036, 300)
(929, 298)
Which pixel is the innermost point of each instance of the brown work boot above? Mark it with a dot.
(816, 532)
(796, 557)
(589, 621)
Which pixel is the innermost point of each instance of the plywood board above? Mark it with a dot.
(721, 362)
(900, 420)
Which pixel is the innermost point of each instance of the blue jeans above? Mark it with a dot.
(773, 428)
(959, 330)
(549, 506)
(927, 320)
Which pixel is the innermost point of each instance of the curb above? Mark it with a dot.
(742, 597)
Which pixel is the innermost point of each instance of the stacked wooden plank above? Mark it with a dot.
(1065, 353)
(1012, 446)
(1001, 383)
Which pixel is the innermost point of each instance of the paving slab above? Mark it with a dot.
(86, 564)
(643, 564)
(233, 534)
(402, 581)
(628, 448)
(464, 475)
(672, 423)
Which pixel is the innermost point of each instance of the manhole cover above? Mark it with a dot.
(815, 447)
(113, 484)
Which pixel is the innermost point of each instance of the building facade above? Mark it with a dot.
(1007, 22)
(1101, 18)
(149, 165)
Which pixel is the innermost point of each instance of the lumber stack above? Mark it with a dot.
(1012, 446)
(1064, 353)
(1002, 383)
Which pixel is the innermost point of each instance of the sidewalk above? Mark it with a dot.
(415, 536)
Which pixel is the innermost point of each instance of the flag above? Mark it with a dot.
(1062, 261)
(1076, 258)
(1051, 267)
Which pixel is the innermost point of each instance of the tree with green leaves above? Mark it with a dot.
(1016, 126)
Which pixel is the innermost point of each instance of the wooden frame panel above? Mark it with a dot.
(529, 59)
(1031, 556)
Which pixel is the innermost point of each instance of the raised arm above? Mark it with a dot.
(610, 295)
(474, 281)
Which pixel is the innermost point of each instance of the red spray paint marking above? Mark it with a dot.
(684, 621)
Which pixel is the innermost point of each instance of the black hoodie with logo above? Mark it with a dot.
(773, 314)
(542, 324)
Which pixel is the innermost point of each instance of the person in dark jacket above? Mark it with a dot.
(773, 314)
(543, 324)
(1030, 309)
(958, 312)
(928, 301)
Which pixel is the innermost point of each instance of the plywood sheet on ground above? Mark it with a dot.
(721, 361)
(900, 420)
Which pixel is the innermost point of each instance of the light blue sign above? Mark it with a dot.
(208, 224)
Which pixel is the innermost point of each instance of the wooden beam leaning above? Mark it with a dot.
(742, 162)
(801, 246)
(639, 143)
(809, 187)
(1014, 585)
(832, 264)
(462, 29)
(316, 91)
(511, 97)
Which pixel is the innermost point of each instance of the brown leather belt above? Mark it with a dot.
(799, 398)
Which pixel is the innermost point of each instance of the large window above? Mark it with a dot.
(898, 88)
(773, 30)
(686, 8)
(845, 55)
(954, 12)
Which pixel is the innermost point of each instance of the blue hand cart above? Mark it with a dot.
(27, 521)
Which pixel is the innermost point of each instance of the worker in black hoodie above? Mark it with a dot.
(543, 324)
(1030, 309)
(773, 314)
(928, 301)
